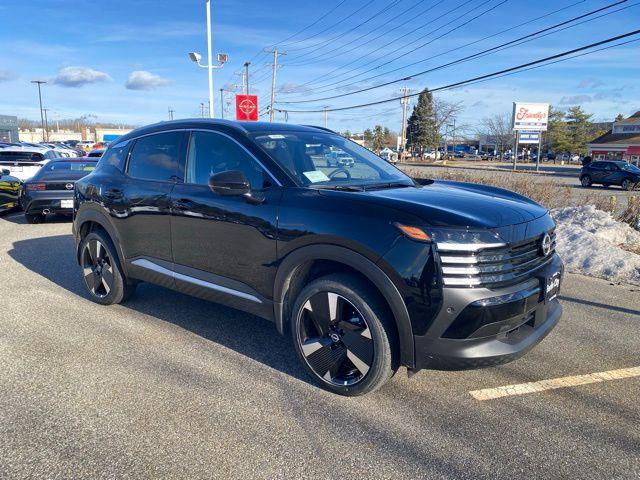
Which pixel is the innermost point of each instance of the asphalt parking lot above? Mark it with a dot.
(168, 386)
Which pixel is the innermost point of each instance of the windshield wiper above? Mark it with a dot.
(377, 186)
(345, 188)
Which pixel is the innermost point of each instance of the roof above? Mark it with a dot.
(27, 149)
(240, 127)
(616, 138)
(632, 120)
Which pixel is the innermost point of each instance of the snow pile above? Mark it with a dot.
(590, 240)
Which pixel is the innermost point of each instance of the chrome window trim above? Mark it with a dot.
(149, 265)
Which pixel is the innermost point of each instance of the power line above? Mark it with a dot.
(443, 53)
(388, 44)
(384, 9)
(488, 76)
(470, 57)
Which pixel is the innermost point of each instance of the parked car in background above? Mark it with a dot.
(97, 153)
(50, 191)
(9, 190)
(365, 268)
(605, 172)
(339, 159)
(24, 162)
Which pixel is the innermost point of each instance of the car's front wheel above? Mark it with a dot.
(626, 184)
(344, 335)
(585, 180)
(101, 270)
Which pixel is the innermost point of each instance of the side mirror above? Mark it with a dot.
(6, 172)
(230, 183)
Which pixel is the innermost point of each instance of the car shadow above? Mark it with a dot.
(17, 217)
(599, 305)
(54, 259)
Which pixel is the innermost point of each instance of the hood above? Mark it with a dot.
(457, 204)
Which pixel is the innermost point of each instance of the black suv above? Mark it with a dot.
(608, 173)
(367, 269)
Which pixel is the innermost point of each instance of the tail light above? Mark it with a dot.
(35, 186)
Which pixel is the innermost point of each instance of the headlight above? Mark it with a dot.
(454, 239)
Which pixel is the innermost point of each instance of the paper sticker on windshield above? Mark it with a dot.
(276, 137)
(315, 176)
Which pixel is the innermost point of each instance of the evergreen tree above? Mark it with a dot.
(557, 134)
(422, 128)
(619, 117)
(378, 138)
(367, 137)
(580, 126)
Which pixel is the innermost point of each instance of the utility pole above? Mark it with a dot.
(246, 75)
(171, 113)
(325, 115)
(222, 102)
(40, 82)
(273, 83)
(202, 109)
(46, 123)
(403, 130)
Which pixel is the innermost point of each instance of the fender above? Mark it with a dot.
(94, 213)
(358, 262)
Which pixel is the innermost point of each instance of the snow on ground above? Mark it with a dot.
(589, 242)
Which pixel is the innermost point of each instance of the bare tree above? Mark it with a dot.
(498, 129)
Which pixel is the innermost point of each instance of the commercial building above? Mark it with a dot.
(8, 128)
(622, 142)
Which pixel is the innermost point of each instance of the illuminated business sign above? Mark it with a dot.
(530, 116)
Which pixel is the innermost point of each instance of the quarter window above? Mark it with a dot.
(116, 156)
(211, 153)
(157, 157)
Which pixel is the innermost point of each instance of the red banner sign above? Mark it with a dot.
(247, 107)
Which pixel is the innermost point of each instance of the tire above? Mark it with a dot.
(585, 180)
(344, 335)
(627, 184)
(101, 270)
(34, 218)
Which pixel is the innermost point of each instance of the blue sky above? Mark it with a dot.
(126, 61)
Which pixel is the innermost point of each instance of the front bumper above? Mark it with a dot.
(486, 327)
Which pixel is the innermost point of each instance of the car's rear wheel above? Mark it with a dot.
(34, 218)
(101, 270)
(585, 180)
(344, 336)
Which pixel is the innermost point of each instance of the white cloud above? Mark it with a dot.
(143, 80)
(78, 76)
(294, 88)
(6, 75)
(575, 99)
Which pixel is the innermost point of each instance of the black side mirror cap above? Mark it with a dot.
(230, 183)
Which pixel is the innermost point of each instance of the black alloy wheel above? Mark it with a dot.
(344, 336)
(627, 184)
(101, 270)
(586, 181)
(335, 339)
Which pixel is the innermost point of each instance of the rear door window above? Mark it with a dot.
(158, 157)
(116, 156)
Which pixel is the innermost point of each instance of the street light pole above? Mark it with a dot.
(325, 116)
(210, 65)
(40, 82)
(272, 112)
(246, 75)
(46, 122)
(222, 103)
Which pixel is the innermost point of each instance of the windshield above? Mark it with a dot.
(630, 168)
(317, 159)
(67, 170)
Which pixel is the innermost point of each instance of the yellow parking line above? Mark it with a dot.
(562, 382)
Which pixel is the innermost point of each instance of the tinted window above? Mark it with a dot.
(596, 165)
(116, 156)
(68, 170)
(21, 156)
(157, 157)
(211, 153)
(610, 167)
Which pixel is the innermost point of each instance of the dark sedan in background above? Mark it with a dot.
(608, 173)
(9, 190)
(50, 191)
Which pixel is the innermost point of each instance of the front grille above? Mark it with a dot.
(493, 267)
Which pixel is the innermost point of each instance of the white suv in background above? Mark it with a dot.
(24, 162)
